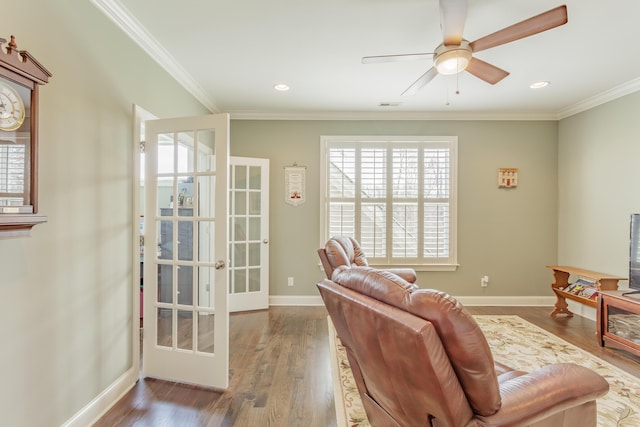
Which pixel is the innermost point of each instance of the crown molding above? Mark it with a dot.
(601, 98)
(377, 115)
(123, 18)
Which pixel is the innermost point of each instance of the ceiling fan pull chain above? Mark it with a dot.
(446, 88)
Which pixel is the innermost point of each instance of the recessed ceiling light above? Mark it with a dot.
(539, 85)
(281, 87)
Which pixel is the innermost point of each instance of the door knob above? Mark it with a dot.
(219, 265)
(265, 241)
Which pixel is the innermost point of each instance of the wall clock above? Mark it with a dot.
(11, 108)
(20, 77)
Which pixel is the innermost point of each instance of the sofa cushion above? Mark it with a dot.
(461, 336)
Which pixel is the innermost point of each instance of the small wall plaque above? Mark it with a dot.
(294, 182)
(507, 177)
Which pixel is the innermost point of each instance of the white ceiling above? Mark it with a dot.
(230, 53)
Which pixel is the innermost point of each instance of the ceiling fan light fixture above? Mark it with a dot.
(452, 59)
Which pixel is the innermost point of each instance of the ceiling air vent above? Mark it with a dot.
(390, 104)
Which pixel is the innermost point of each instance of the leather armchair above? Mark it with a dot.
(345, 250)
(420, 359)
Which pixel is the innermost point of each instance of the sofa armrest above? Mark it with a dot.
(531, 397)
(408, 274)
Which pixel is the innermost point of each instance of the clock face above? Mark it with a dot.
(12, 110)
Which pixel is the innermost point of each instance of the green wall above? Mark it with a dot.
(67, 290)
(507, 234)
(598, 176)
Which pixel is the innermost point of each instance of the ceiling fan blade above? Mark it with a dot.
(485, 71)
(453, 14)
(537, 24)
(396, 58)
(421, 82)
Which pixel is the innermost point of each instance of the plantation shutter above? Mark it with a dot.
(393, 196)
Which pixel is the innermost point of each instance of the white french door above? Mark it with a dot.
(186, 318)
(248, 234)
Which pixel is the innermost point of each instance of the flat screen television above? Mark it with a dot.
(634, 255)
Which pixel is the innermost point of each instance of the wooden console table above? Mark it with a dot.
(561, 275)
(618, 320)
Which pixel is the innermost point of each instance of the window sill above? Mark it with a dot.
(418, 267)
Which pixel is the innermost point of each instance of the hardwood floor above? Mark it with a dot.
(280, 373)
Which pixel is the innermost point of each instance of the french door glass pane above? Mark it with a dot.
(205, 203)
(240, 177)
(185, 330)
(185, 240)
(239, 280)
(239, 228)
(185, 284)
(164, 335)
(184, 196)
(206, 150)
(165, 283)
(240, 254)
(206, 231)
(254, 229)
(185, 152)
(254, 254)
(255, 174)
(254, 279)
(165, 196)
(206, 323)
(166, 153)
(254, 203)
(205, 286)
(240, 202)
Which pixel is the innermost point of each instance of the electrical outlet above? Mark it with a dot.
(290, 281)
(484, 281)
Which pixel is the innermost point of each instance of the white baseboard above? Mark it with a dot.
(303, 300)
(104, 401)
(530, 301)
(502, 301)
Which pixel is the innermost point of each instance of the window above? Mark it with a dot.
(395, 195)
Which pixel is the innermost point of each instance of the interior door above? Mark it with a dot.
(248, 234)
(186, 319)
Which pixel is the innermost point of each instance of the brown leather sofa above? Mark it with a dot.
(420, 359)
(345, 250)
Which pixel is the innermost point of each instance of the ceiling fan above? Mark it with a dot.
(455, 54)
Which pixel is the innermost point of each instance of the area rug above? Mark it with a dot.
(520, 345)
